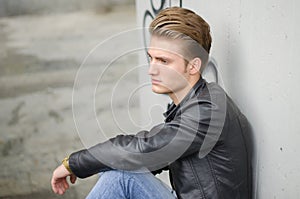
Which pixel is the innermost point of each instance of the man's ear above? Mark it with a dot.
(195, 66)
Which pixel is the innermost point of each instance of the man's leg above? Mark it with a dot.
(123, 185)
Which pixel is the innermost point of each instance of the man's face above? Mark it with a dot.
(168, 70)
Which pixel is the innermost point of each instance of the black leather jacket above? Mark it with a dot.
(204, 143)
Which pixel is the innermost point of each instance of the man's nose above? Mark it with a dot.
(153, 69)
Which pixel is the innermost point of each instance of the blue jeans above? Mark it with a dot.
(117, 184)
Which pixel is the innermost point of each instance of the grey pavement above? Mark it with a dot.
(40, 61)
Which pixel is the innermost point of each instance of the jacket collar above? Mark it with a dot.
(172, 108)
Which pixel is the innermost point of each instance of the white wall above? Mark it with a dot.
(256, 44)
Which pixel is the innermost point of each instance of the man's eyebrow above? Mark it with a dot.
(159, 57)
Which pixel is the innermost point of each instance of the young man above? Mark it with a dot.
(203, 141)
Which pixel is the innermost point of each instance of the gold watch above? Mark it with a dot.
(65, 162)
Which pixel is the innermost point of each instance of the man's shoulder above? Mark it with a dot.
(214, 88)
(211, 91)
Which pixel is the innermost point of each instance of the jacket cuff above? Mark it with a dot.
(83, 164)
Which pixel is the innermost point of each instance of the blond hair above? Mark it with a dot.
(184, 24)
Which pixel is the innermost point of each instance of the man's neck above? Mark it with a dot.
(179, 96)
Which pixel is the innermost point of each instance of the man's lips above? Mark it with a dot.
(155, 81)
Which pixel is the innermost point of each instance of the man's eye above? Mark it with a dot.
(163, 61)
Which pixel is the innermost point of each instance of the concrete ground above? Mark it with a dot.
(40, 122)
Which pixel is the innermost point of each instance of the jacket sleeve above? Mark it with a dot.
(196, 127)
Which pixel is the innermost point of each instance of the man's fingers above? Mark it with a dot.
(59, 186)
(54, 185)
(65, 184)
(62, 188)
(55, 189)
(73, 178)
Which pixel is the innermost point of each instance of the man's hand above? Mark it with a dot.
(59, 181)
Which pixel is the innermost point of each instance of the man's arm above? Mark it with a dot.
(157, 148)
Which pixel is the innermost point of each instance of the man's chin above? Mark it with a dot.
(160, 91)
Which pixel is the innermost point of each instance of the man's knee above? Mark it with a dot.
(114, 176)
(111, 176)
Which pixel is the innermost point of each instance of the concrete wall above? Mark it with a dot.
(255, 44)
(21, 7)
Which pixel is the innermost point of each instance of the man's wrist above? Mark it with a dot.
(65, 162)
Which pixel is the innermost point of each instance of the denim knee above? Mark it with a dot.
(111, 176)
